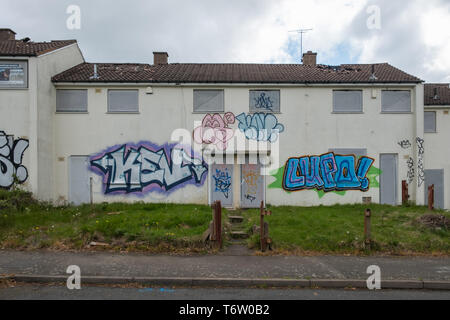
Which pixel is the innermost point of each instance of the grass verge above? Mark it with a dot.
(339, 229)
(138, 226)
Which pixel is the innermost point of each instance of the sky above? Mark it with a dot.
(412, 35)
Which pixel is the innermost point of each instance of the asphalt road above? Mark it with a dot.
(27, 291)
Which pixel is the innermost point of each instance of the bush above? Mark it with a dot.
(15, 199)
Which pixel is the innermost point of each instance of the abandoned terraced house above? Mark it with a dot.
(287, 134)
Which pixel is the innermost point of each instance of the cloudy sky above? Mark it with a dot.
(413, 35)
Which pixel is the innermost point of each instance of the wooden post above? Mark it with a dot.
(405, 192)
(431, 197)
(219, 223)
(263, 227)
(216, 232)
(367, 215)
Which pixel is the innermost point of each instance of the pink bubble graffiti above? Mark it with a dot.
(214, 130)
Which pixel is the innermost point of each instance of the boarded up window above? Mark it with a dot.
(71, 101)
(123, 101)
(208, 101)
(347, 101)
(344, 151)
(265, 101)
(396, 101)
(430, 121)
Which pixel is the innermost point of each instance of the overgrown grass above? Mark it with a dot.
(340, 229)
(138, 225)
(28, 224)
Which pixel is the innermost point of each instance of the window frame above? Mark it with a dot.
(348, 111)
(85, 91)
(121, 111)
(435, 121)
(264, 111)
(396, 112)
(207, 111)
(24, 64)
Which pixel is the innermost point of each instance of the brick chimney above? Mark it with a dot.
(310, 58)
(7, 34)
(160, 58)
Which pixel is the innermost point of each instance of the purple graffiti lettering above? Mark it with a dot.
(146, 167)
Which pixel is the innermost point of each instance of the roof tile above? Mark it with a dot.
(235, 73)
(31, 49)
(443, 92)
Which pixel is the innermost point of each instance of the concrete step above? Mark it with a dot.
(241, 242)
(239, 234)
(235, 219)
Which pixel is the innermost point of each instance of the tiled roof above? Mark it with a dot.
(107, 72)
(235, 73)
(30, 49)
(443, 92)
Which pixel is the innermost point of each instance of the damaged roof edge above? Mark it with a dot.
(235, 73)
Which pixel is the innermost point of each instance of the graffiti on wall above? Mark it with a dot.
(222, 182)
(260, 126)
(11, 154)
(263, 102)
(328, 172)
(250, 177)
(404, 144)
(420, 165)
(146, 167)
(215, 130)
(411, 172)
(372, 175)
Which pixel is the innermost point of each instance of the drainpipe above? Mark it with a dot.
(420, 145)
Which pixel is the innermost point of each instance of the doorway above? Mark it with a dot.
(79, 188)
(435, 177)
(388, 179)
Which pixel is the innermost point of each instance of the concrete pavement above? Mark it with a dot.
(44, 292)
(212, 270)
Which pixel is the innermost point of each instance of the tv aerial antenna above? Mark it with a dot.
(301, 32)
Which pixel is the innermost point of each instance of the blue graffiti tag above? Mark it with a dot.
(146, 167)
(263, 102)
(260, 126)
(328, 172)
(222, 181)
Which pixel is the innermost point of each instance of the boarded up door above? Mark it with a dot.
(79, 190)
(252, 186)
(222, 184)
(388, 179)
(435, 177)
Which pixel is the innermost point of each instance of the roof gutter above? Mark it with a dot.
(243, 84)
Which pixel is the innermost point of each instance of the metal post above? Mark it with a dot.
(216, 232)
(367, 215)
(264, 228)
(261, 228)
(219, 223)
(405, 192)
(431, 197)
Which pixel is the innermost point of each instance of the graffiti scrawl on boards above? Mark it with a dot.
(222, 182)
(11, 154)
(328, 172)
(146, 167)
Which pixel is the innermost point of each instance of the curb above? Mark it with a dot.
(236, 282)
